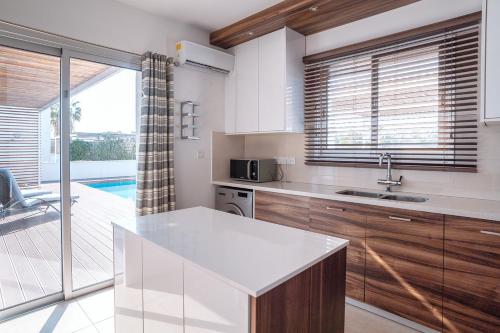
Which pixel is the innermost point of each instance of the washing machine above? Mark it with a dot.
(234, 200)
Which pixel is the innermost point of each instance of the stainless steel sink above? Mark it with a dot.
(361, 194)
(407, 198)
(383, 196)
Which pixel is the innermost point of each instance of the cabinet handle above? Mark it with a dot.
(335, 208)
(397, 218)
(486, 232)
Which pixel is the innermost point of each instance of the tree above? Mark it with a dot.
(76, 115)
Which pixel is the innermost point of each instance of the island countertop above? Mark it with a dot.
(251, 255)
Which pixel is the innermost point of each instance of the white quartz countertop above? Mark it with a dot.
(449, 205)
(251, 255)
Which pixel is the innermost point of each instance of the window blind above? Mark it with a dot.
(417, 100)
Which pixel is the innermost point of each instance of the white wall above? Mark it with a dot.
(193, 172)
(408, 17)
(112, 24)
(484, 184)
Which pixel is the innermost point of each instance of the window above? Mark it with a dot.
(416, 99)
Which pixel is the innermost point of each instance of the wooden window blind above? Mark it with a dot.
(417, 100)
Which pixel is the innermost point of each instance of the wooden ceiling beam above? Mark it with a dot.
(304, 16)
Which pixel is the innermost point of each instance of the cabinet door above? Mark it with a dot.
(404, 264)
(344, 221)
(492, 54)
(247, 87)
(284, 209)
(211, 305)
(471, 275)
(162, 290)
(127, 261)
(272, 63)
(230, 103)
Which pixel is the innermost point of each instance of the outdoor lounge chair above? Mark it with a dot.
(13, 199)
(28, 193)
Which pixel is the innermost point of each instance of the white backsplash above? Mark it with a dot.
(485, 184)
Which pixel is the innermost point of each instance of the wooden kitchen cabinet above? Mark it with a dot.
(404, 264)
(344, 220)
(284, 209)
(440, 271)
(471, 275)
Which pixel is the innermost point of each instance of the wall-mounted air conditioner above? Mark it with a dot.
(189, 53)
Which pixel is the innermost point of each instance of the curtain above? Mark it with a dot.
(155, 176)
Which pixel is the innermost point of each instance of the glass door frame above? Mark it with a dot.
(27, 39)
(67, 55)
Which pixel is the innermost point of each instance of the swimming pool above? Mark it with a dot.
(124, 189)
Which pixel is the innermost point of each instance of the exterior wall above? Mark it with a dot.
(89, 169)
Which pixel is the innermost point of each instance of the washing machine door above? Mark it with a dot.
(231, 208)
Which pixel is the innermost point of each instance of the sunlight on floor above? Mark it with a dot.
(88, 314)
(94, 314)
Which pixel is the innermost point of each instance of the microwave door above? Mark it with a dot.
(249, 176)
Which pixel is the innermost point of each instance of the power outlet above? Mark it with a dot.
(285, 160)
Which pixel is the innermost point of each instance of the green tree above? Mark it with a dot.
(76, 116)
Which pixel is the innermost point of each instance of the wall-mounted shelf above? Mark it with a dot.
(189, 115)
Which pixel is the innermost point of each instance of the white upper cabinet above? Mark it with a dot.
(247, 87)
(490, 100)
(265, 92)
(272, 62)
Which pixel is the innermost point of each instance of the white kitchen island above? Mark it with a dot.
(201, 270)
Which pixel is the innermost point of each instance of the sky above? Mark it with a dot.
(110, 105)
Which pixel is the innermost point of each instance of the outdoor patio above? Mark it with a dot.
(30, 247)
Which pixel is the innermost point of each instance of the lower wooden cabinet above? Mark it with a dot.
(289, 210)
(404, 264)
(471, 275)
(440, 271)
(344, 221)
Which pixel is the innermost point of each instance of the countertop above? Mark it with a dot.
(449, 205)
(251, 255)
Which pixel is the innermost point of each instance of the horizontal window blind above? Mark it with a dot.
(417, 100)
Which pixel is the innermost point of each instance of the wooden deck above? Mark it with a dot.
(30, 246)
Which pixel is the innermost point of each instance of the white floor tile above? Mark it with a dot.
(64, 317)
(106, 326)
(90, 329)
(360, 321)
(98, 306)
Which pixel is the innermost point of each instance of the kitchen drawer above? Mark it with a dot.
(404, 264)
(284, 209)
(471, 275)
(342, 220)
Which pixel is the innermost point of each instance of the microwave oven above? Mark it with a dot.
(253, 170)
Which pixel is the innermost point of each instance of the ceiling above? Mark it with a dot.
(206, 14)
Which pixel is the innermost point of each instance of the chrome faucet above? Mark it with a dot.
(388, 181)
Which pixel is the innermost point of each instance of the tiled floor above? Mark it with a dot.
(94, 314)
(88, 314)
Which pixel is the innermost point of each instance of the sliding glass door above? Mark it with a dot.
(68, 141)
(102, 154)
(30, 197)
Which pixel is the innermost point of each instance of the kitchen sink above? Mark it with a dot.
(384, 196)
(361, 194)
(407, 198)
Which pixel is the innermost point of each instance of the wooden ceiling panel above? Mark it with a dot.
(304, 16)
(31, 80)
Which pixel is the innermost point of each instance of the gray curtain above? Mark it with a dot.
(155, 176)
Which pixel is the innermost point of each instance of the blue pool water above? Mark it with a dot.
(124, 189)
